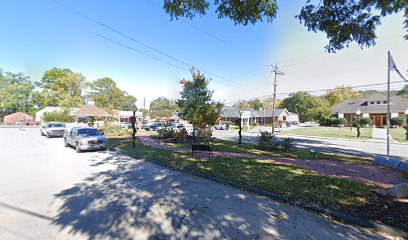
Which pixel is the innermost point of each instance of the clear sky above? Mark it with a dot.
(38, 35)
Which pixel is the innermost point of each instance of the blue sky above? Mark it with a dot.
(40, 35)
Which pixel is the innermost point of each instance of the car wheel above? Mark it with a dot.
(78, 150)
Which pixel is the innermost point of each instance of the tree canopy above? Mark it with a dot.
(308, 107)
(60, 87)
(162, 107)
(107, 95)
(341, 93)
(343, 21)
(196, 103)
(15, 93)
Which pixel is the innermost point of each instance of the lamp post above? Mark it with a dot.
(406, 124)
(134, 109)
(358, 112)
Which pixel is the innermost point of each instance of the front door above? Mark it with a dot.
(377, 121)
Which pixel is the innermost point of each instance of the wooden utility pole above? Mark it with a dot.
(277, 72)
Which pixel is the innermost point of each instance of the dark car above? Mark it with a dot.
(154, 127)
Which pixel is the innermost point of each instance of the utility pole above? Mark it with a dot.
(277, 72)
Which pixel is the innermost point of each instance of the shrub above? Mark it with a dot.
(287, 143)
(254, 124)
(181, 136)
(57, 116)
(165, 133)
(397, 121)
(332, 121)
(113, 130)
(204, 133)
(266, 141)
(365, 121)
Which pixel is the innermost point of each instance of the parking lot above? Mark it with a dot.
(48, 191)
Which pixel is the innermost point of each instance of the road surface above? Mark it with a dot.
(51, 192)
(348, 146)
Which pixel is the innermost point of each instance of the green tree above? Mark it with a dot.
(162, 107)
(196, 103)
(107, 95)
(403, 92)
(343, 21)
(307, 106)
(60, 87)
(340, 94)
(267, 103)
(58, 116)
(15, 93)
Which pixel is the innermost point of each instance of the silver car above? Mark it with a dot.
(52, 130)
(85, 139)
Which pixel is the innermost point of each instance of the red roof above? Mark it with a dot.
(17, 117)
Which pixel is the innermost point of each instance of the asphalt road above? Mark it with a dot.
(348, 146)
(51, 192)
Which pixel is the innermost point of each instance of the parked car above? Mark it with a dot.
(125, 125)
(52, 130)
(221, 127)
(28, 123)
(85, 139)
(154, 127)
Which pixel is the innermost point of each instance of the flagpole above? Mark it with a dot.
(388, 105)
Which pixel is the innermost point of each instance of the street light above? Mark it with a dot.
(134, 109)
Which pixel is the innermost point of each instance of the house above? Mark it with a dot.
(260, 117)
(40, 113)
(374, 107)
(17, 117)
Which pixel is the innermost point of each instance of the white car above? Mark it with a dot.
(125, 125)
(53, 130)
(221, 127)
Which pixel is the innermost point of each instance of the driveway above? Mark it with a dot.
(335, 145)
(51, 192)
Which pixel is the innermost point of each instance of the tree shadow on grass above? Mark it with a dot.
(140, 200)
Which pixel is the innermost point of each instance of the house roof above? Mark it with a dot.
(398, 104)
(17, 117)
(232, 112)
(90, 110)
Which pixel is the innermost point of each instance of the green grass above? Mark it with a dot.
(292, 182)
(398, 134)
(333, 132)
(230, 146)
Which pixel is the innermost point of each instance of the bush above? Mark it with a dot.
(254, 124)
(332, 121)
(204, 133)
(266, 141)
(181, 136)
(365, 121)
(165, 133)
(397, 121)
(287, 143)
(113, 130)
(57, 116)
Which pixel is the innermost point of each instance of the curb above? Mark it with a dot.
(336, 215)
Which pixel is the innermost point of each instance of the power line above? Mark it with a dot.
(137, 41)
(325, 90)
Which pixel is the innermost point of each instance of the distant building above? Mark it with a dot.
(374, 107)
(260, 117)
(17, 117)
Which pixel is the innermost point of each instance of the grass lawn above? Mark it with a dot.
(333, 132)
(398, 134)
(230, 146)
(292, 182)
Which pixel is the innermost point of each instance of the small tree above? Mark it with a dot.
(397, 121)
(57, 116)
(196, 103)
(365, 121)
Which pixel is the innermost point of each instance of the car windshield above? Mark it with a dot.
(56, 125)
(88, 132)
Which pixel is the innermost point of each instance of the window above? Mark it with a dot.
(384, 102)
(378, 102)
(371, 102)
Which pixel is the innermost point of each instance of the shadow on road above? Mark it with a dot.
(139, 200)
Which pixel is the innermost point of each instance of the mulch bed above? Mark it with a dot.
(383, 210)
